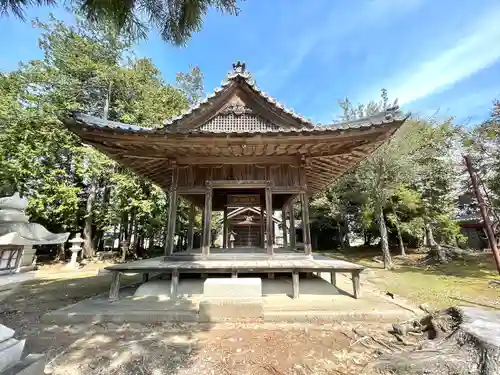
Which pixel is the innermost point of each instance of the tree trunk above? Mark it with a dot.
(88, 245)
(151, 245)
(434, 246)
(345, 232)
(99, 242)
(107, 101)
(124, 241)
(61, 255)
(383, 239)
(398, 231)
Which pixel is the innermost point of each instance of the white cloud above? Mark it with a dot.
(326, 28)
(477, 50)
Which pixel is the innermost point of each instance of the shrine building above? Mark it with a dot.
(239, 147)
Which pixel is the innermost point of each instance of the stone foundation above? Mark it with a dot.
(11, 351)
(234, 309)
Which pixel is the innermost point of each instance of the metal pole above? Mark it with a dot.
(484, 213)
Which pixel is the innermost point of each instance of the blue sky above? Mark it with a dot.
(432, 55)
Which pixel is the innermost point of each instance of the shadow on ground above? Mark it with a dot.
(99, 348)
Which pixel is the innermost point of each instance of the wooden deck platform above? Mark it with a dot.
(232, 262)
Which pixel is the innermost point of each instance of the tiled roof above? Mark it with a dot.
(386, 117)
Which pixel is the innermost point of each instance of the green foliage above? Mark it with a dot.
(91, 70)
(191, 84)
(175, 20)
(409, 182)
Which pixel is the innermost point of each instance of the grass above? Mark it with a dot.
(463, 281)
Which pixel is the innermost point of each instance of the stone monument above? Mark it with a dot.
(18, 236)
(76, 246)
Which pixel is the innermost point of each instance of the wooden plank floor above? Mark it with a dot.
(240, 263)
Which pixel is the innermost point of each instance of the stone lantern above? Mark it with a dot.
(76, 246)
(18, 236)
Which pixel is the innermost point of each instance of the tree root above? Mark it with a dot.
(461, 341)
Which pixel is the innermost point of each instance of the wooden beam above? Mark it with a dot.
(131, 156)
(228, 184)
(191, 190)
(286, 190)
(238, 160)
(373, 134)
(327, 163)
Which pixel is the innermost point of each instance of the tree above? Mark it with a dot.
(176, 20)
(407, 185)
(379, 176)
(71, 185)
(191, 84)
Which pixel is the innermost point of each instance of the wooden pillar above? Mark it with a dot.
(190, 233)
(114, 289)
(207, 222)
(172, 212)
(269, 218)
(333, 278)
(356, 284)
(284, 227)
(262, 227)
(174, 284)
(293, 239)
(225, 231)
(304, 201)
(306, 227)
(295, 283)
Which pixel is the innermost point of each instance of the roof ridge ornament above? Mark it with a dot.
(239, 67)
(392, 111)
(239, 70)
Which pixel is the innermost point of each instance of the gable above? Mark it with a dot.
(241, 114)
(238, 106)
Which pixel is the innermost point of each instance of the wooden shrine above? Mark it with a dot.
(239, 147)
(239, 144)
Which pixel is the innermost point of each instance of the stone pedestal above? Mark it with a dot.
(231, 300)
(11, 361)
(27, 258)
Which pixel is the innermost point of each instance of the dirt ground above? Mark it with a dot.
(180, 349)
(221, 349)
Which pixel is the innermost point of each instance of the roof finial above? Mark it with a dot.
(239, 67)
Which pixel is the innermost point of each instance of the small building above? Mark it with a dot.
(239, 147)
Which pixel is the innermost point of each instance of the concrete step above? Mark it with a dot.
(33, 364)
(117, 317)
(336, 316)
